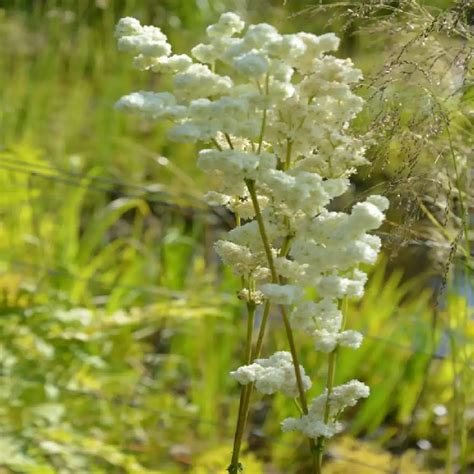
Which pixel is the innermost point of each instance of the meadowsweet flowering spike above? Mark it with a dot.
(272, 112)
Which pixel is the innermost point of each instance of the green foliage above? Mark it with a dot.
(138, 382)
(62, 374)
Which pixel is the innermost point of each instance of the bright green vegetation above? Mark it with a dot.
(118, 325)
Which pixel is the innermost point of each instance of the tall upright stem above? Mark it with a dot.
(235, 465)
(261, 332)
(264, 117)
(246, 391)
(246, 394)
(327, 407)
(275, 279)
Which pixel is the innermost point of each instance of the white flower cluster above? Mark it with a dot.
(314, 425)
(277, 373)
(277, 120)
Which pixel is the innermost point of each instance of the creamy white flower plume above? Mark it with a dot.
(273, 112)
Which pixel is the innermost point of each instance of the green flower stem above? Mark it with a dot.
(246, 393)
(329, 386)
(251, 307)
(235, 466)
(229, 141)
(261, 332)
(285, 247)
(216, 144)
(260, 138)
(264, 117)
(257, 350)
(261, 227)
(289, 146)
(275, 279)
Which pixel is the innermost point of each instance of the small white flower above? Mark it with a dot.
(352, 339)
(243, 206)
(145, 40)
(281, 71)
(238, 257)
(257, 36)
(288, 268)
(152, 105)
(325, 341)
(206, 53)
(310, 427)
(216, 199)
(347, 395)
(127, 26)
(271, 375)
(229, 23)
(324, 315)
(191, 133)
(313, 425)
(199, 81)
(172, 64)
(282, 294)
(337, 287)
(329, 42)
(287, 47)
(251, 64)
(256, 297)
(367, 216)
(381, 202)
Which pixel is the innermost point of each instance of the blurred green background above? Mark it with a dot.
(118, 325)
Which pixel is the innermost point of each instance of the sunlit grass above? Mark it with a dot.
(157, 388)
